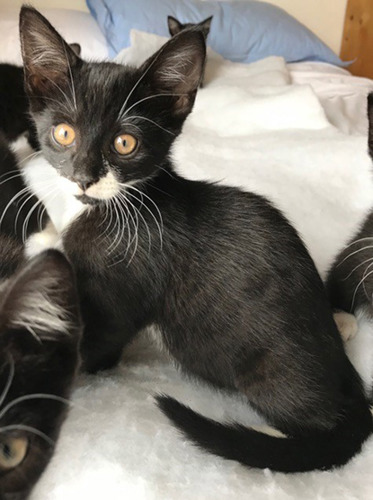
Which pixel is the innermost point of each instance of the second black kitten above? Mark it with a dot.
(350, 280)
(175, 26)
(40, 332)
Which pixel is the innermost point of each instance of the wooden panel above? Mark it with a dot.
(357, 42)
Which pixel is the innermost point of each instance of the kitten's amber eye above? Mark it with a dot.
(12, 451)
(125, 144)
(63, 134)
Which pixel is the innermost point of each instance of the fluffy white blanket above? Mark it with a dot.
(273, 139)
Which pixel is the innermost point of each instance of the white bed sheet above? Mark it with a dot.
(342, 95)
(74, 26)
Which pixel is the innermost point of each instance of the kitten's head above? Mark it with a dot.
(102, 125)
(370, 119)
(40, 331)
(175, 26)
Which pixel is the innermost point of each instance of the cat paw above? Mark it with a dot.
(346, 324)
(38, 242)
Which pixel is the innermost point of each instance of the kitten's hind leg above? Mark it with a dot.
(285, 394)
(346, 324)
(100, 355)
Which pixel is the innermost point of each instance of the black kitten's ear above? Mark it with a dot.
(206, 25)
(177, 69)
(370, 118)
(42, 298)
(47, 58)
(76, 48)
(174, 26)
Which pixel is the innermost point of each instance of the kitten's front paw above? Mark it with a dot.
(38, 242)
(346, 324)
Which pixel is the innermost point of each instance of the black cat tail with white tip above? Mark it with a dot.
(314, 451)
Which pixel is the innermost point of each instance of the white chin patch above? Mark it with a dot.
(107, 187)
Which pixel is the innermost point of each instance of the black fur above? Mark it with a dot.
(350, 281)
(14, 108)
(43, 360)
(230, 285)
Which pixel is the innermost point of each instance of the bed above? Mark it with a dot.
(297, 134)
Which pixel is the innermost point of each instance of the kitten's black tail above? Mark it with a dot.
(319, 450)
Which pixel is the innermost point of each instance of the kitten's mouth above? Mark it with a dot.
(87, 200)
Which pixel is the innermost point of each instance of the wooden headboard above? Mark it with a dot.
(357, 41)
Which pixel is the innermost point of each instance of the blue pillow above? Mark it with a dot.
(240, 31)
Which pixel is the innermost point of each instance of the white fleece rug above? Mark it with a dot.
(115, 444)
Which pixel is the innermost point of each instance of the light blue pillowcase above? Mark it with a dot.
(240, 31)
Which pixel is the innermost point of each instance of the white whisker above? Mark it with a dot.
(29, 397)
(27, 220)
(147, 98)
(358, 241)
(62, 92)
(9, 381)
(136, 228)
(27, 428)
(29, 157)
(142, 76)
(20, 193)
(365, 276)
(356, 267)
(122, 195)
(148, 120)
(116, 227)
(10, 178)
(159, 224)
(72, 86)
(353, 253)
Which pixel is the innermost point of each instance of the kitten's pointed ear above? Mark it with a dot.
(206, 25)
(47, 58)
(76, 48)
(370, 118)
(42, 298)
(174, 26)
(177, 69)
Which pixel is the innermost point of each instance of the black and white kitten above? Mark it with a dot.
(40, 331)
(350, 280)
(219, 271)
(14, 108)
